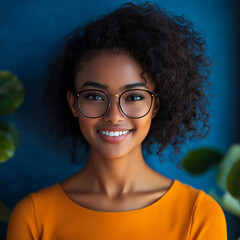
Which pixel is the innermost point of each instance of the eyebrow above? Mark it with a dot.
(105, 87)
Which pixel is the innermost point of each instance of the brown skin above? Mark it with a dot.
(116, 177)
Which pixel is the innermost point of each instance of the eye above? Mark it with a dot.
(135, 97)
(94, 97)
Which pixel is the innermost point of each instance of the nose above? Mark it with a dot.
(114, 113)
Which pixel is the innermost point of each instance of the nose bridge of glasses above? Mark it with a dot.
(118, 102)
(111, 99)
(114, 95)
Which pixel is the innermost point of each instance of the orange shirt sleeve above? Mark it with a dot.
(208, 220)
(22, 222)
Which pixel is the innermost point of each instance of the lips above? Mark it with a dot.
(114, 135)
(114, 129)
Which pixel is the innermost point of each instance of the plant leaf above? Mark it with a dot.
(227, 201)
(214, 195)
(231, 204)
(200, 160)
(12, 92)
(232, 156)
(233, 180)
(7, 148)
(10, 133)
(4, 212)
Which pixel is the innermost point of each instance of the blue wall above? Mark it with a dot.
(30, 33)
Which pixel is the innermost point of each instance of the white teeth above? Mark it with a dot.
(114, 134)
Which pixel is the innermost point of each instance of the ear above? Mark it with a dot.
(156, 106)
(72, 103)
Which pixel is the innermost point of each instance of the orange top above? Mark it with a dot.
(182, 213)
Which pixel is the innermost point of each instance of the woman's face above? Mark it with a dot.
(112, 73)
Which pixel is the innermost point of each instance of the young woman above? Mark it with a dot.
(130, 79)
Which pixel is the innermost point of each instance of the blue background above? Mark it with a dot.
(30, 34)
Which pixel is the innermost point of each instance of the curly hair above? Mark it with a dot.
(168, 48)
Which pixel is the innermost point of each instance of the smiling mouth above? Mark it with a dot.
(114, 133)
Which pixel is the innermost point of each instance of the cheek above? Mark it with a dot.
(143, 125)
(86, 126)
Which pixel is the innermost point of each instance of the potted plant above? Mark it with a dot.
(12, 94)
(200, 160)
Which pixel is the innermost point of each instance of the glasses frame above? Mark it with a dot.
(77, 94)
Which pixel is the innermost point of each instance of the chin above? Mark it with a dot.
(113, 154)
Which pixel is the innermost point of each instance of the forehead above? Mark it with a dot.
(111, 70)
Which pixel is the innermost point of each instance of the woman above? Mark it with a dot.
(134, 77)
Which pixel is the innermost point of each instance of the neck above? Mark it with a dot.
(115, 177)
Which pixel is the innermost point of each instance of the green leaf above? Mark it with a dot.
(200, 160)
(231, 204)
(7, 148)
(12, 92)
(214, 195)
(233, 180)
(10, 133)
(232, 156)
(4, 212)
(227, 201)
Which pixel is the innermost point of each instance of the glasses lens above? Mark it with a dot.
(136, 103)
(93, 103)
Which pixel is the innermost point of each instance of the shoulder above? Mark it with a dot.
(207, 210)
(24, 219)
(47, 194)
(207, 219)
(23, 208)
(185, 194)
(29, 205)
(205, 203)
(202, 202)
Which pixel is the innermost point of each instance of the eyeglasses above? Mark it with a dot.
(134, 103)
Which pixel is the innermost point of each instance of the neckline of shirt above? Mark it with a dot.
(147, 208)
